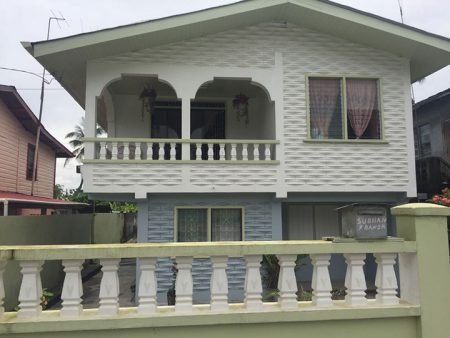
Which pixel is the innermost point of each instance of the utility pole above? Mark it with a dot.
(38, 133)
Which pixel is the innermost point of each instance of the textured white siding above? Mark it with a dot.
(306, 166)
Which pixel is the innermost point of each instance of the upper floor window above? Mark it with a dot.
(344, 108)
(208, 224)
(30, 162)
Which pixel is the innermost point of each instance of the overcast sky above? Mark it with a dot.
(26, 20)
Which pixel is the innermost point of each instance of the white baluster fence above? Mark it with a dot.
(31, 260)
(144, 150)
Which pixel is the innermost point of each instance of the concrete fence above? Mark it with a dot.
(414, 305)
(49, 230)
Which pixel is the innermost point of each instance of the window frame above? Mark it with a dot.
(208, 209)
(343, 81)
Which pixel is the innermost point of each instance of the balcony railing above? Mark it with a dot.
(204, 150)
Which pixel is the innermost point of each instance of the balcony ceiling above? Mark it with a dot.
(66, 58)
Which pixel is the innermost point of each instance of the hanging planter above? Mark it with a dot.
(240, 105)
(148, 98)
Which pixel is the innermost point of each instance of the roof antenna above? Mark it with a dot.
(401, 10)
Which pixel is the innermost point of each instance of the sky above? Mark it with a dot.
(26, 20)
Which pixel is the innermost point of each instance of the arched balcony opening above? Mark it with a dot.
(141, 107)
(232, 110)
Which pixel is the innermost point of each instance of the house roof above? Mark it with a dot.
(27, 201)
(432, 99)
(18, 107)
(66, 58)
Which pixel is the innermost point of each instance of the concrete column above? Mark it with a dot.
(425, 275)
(185, 126)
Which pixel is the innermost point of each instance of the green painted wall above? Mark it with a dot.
(54, 229)
(367, 328)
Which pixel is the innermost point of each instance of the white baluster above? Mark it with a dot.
(321, 283)
(72, 288)
(126, 151)
(233, 152)
(267, 152)
(198, 152)
(222, 152)
(287, 284)
(355, 281)
(147, 286)
(109, 288)
(137, 151)
(161, 152)
(219, 283)
(172, 151)
(2, 286)
(103, 150)
(30, 289)
(210, 152)
(385, 280)
(258, 152)
(184, 285)
(245, 152)
(251, 153)
(114, 151)
(253, 285)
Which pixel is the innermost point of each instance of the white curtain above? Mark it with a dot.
(324, 96)
(361, 102)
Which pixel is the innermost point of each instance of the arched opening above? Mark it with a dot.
(140, 107)
(232, 109)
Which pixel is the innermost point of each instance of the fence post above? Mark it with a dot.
(428, 284)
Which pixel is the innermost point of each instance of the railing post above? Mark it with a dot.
(253, 285)
(233, 154)
(267, 152)
(321, 283)
(222, 155)
(425, 275)
(184, 285)
(245, 152)
(126, 150)
(147, 286)
(137, 151)
(385, 280)
(287, 284)
(30, 289)
(149, 153)
(355, 280)
(114, 151)
(198, 152)
(72, 288)
(219, 284)
(103, 150)
(172, 151)
(2, 286)
(161, 152)
(109, 288)
(210, 152)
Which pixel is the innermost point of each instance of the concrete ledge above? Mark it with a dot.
(420, 209)
(202, 316)
(203, 249)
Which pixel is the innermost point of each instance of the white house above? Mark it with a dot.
(249, 121)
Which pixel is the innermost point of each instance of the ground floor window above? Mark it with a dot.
(203, 224)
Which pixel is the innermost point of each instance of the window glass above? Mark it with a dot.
(362, 117)
(425, 140)
(192, 225)
(226, 224)
(325, 108)
(30, 162)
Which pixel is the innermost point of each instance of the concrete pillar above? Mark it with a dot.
(425, 274)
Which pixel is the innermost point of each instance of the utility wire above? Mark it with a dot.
(26, 71)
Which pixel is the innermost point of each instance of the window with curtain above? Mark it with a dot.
(30, 162)
(335, 101)
(209, 224)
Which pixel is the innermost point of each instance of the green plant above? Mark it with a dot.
(123, 207)
(46, 295)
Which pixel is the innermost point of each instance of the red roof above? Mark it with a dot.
(36, 201)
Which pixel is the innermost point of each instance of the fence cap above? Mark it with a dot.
(421, 209)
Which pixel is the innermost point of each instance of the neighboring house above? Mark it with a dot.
(252, 121)
(432, 141)
(18, 127)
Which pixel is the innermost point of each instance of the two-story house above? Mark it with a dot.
(251, 121)
(18, 126)
(432, 140)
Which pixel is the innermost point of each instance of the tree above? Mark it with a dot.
(77, 143)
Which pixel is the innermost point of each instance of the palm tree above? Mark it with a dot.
(77, 143)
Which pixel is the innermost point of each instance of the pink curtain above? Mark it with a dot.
(361, 102)
(324, 97)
